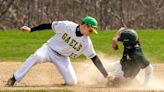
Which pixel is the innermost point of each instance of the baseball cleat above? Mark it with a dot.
(11, 82)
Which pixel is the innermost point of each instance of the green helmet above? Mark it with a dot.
(128, 37)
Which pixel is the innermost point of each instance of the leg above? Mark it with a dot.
(22, 71)
(26, 66)
(64, 66)
(115, 72)
(37, 57)
(115, 68)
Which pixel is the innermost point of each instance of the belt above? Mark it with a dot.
(56, 52)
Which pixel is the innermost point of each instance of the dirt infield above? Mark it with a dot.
(46, 76)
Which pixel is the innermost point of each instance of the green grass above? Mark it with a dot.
(153, 44)
(15, 45)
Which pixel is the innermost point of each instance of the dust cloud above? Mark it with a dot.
(88, 74)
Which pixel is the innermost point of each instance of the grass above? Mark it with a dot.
(153, 44)
(15, 45)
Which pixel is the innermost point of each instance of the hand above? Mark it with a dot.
(25, 29)
(114, 44)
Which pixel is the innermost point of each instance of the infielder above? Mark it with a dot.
(70, 40)
(132, 60)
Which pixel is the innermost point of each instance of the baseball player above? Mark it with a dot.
(70, 40)
(132, 60)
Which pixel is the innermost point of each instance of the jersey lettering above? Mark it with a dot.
(64, 36)
(71, 42)
(67, 39)
(73, 55)
(79, 47)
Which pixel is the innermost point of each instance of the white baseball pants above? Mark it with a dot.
(45, 54)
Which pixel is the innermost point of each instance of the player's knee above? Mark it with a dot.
(39, 58)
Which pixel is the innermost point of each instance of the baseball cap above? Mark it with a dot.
(91, 22)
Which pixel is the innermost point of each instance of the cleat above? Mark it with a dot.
(11, 82)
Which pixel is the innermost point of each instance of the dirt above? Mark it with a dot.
(46, 76)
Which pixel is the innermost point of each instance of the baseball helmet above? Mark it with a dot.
(128, 37)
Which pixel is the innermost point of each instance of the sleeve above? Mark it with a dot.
(41, 27)
(89, 51)
(143, 62)
(58, 26)
(99, 66)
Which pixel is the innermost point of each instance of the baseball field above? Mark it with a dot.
(16, 46)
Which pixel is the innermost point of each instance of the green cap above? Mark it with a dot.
(91, 22)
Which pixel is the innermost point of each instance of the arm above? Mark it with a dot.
(99, 65)
(148, 74)
(118, 32)
(37, 28)
(114, 40)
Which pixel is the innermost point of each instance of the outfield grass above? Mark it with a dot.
(15, 45)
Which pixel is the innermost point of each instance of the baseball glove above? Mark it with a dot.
(113, 81)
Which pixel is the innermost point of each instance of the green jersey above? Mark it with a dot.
(132, 61)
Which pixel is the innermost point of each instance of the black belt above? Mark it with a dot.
(56, 52)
